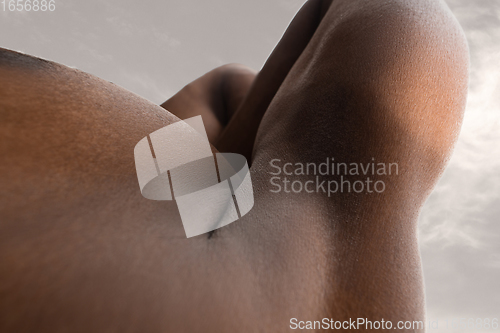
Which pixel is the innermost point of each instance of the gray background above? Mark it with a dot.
(154, 48)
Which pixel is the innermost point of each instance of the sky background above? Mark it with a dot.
(154, 48)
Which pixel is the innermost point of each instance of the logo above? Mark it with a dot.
(211, 190)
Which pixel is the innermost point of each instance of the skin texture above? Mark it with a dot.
(82, 251)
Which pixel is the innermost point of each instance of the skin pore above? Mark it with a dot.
(82, 251)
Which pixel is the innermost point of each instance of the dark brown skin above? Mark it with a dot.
(82, 251)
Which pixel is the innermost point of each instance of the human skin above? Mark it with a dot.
(82, 251)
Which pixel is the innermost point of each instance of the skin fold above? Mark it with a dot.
(82, 251)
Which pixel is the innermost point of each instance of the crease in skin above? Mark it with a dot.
(246, 120)
(215, 96)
